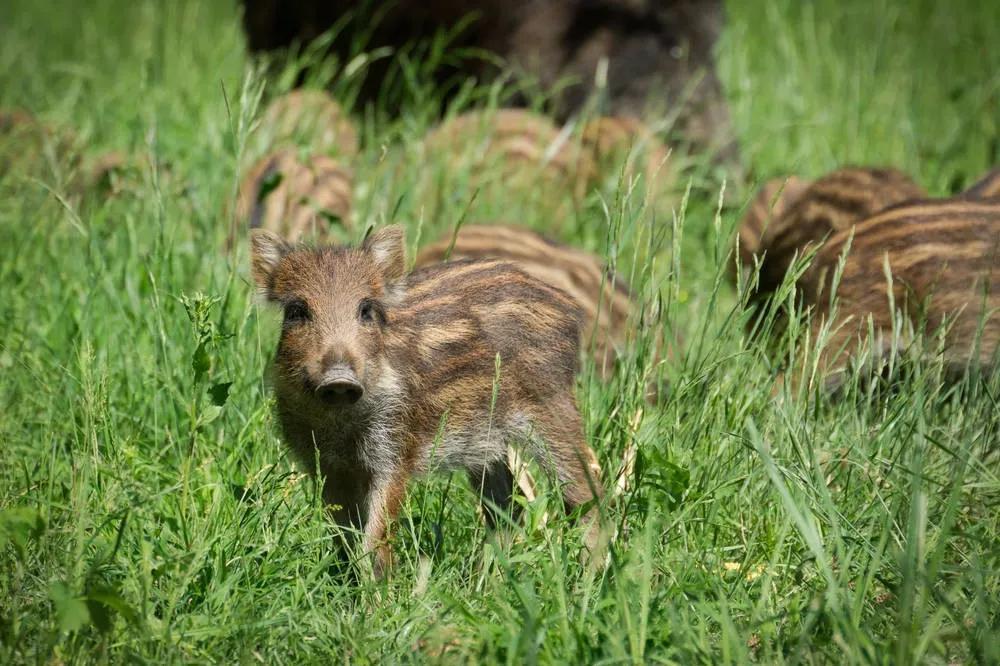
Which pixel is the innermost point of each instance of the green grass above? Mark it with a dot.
(788, 529)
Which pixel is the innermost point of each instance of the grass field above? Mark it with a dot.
(146, 516)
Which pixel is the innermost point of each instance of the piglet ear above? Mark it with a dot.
(387, 247)
(266, 251)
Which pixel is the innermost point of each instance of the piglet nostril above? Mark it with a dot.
(340, 392)
(340, 388)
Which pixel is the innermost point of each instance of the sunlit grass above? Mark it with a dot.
(140, 519)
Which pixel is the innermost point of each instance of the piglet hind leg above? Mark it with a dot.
(561, 449)
(494, 483)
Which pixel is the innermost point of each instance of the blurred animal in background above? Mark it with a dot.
(301, 187)
(625, 146)
(307, 119)
(943, 261)
(788, 216)
(113, 172)
(627, 57)
(35, 149)
(294, 197)
(56, 156)
(496, 153)
(905, 265)
(766, 208)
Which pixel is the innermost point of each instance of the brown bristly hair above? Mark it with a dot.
(825, 206)
(943, 257)
(605, 297)
(383, 376)
(296, 198)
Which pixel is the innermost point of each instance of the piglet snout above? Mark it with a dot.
(339, 387)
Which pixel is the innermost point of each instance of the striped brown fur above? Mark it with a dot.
(605, 298)
(987, 187)
(311, 119)
(827, 205)
(769, 206)
(944, 257)
(622, 142)
(294, 198)
(524, 144)
(387, 376)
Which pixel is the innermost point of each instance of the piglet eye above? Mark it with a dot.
(367, 311)
(296, 312)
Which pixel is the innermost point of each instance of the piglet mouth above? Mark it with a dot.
(339, 387)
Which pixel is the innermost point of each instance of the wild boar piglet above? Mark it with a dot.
(382, 376)
(790, 216)
(934, 262)
(911, 265)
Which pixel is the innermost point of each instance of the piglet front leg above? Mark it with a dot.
(384, 502)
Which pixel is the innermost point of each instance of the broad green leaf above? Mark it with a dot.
(71, 610)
